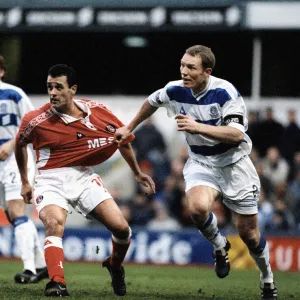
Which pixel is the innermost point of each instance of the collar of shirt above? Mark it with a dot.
(202, 92)
(69, 119)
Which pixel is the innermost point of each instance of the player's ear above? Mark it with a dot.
(208, 71)
(74, 89)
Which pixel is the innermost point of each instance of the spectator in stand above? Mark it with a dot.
(282, 219)
(275, 166)
(141, 211)
(291, 137)
(265, 211)
(149, 145)
(253, 127)
(171, 196)
(270, 133)
(162, 220)
(296, 165)
(254, 156)
(294, 193)
(266, 184)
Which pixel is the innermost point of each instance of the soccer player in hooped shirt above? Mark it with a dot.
(14, 104)
(212, 115)
(69, 135)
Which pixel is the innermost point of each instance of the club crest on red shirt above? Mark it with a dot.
(111, 128)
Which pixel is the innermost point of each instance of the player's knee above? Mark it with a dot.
(198, 210)
(53, 227)
(15, 209)
(123, 231)
(250, 238)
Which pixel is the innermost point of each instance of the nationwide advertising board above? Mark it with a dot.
(149, 247)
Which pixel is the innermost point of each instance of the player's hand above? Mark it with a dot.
(187, 123)
(121, 135)
(26, 193)
(6, 149)
(146, 181)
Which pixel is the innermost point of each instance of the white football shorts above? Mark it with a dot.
(78, 186)
(10, 176)
(238, 183)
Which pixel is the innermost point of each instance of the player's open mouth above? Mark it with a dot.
(186, 81)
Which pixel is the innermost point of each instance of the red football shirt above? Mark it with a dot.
(63, 141)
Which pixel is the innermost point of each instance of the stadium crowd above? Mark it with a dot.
(275, 154)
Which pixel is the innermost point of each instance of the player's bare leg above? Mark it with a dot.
(200, 200)
(108, 213)
(54, 219)
(247, 227)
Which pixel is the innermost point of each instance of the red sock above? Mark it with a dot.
(54, 256)
(118, 254)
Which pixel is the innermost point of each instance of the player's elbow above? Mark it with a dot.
(238, 137)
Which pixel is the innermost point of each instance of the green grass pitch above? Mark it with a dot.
(90, 281)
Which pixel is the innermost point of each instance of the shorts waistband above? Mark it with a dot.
(64, 169)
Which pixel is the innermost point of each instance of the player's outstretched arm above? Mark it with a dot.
(144, 113)
(22, 158)
(128, 154)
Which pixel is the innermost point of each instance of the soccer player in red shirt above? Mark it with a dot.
(69, 135)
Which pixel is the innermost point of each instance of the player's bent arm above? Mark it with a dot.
(224, 134)
(144, 113)
(128, 154)
(22, 158)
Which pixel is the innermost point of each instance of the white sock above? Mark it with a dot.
(262, 260)
(24, 237)
(39, 257)
(211, 232)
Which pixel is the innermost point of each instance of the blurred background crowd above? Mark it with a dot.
(275, 154)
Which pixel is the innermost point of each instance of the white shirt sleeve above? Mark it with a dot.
(234, 111)
(25, 105)
(160, 98)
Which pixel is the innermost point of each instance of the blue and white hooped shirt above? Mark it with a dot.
(220, 104)
(14, 104)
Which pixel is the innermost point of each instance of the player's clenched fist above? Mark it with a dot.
(26, 193)
(121, 135)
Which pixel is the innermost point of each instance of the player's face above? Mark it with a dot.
(61, 95)
(2, 72)
(193, 74)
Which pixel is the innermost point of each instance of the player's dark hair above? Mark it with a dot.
(207, 56)
(63, 70)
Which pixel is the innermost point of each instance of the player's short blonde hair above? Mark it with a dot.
(207, 56)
